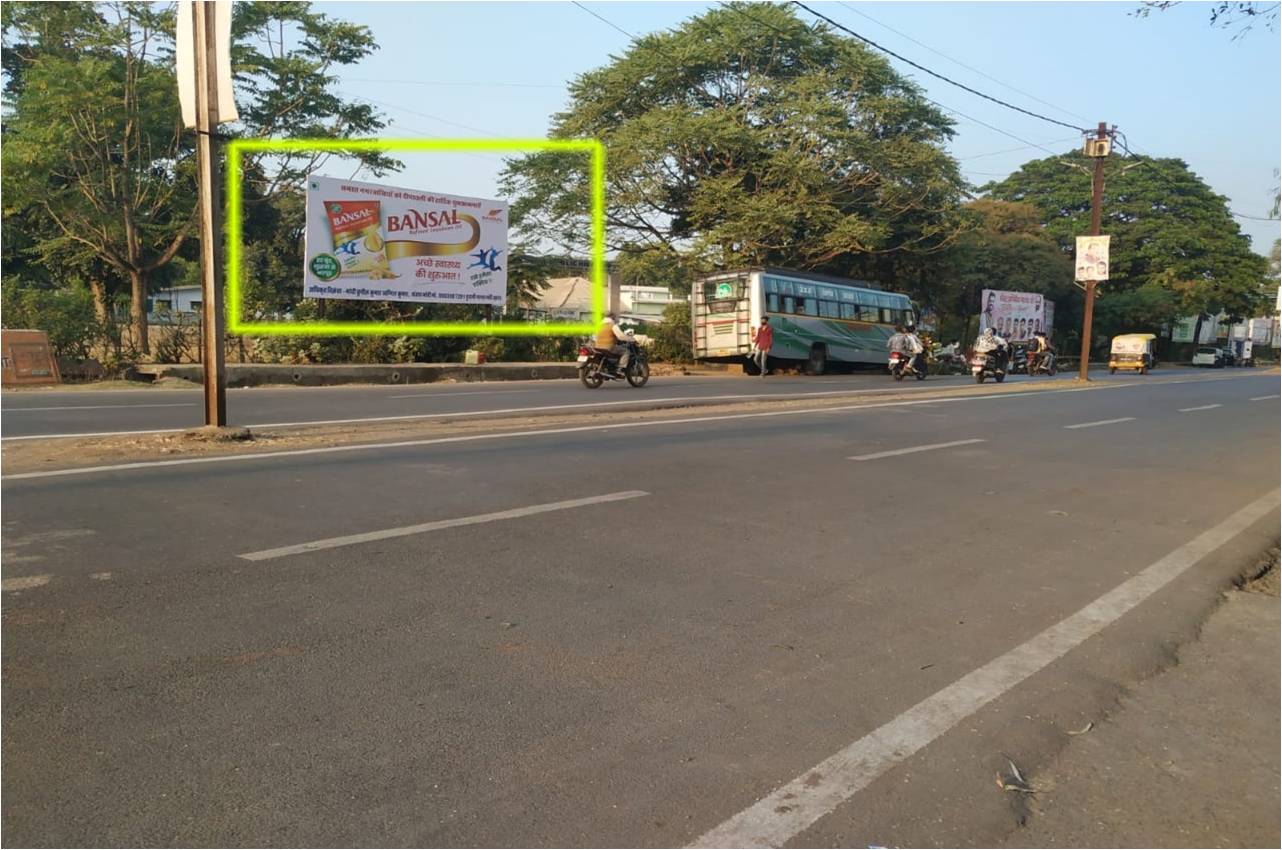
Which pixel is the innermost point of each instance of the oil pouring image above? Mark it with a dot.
(373, 242)
(358, 238)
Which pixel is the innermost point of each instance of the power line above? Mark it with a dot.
(936, 74)
(484, 157)
(962, 64)
(1146, 162)
(455, 83)
(1013, 150)
(1026, 143)
(636, 41)
(384, 103)
(609, 24)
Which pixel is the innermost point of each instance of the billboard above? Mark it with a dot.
(372, 242)
(1014, 315)
(1092, 258)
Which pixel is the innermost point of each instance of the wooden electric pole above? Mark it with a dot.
(209, 168)
(1097, 202)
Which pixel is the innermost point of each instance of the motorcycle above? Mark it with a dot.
(901, 363)
(1041, 364)
(987, 364)
(596, 366)
(949, 363)
(1018, 359)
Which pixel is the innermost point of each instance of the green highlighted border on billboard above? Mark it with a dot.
(235, 324)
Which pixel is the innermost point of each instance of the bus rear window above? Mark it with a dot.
(722, 290)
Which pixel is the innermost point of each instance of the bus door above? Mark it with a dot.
(722, 320)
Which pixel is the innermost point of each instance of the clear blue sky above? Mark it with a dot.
(1173, 84)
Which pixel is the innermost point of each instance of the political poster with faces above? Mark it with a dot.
(1016, 316)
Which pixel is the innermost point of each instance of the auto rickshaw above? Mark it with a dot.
(1133, 351)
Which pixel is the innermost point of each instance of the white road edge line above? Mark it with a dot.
(473, 413)
(24, 583)
(94, 407)
(353, 539)
(500, 435)
(794, 807)
(914, 449)
(577, 429)
(99, 433)
(1100, 422)
(439, 394)
(411, 416)
(1203, 407)
(1264, 397)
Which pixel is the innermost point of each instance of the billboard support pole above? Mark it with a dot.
(213, 359)
(1088, 313)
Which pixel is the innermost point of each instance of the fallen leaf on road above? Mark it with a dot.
(1088, 727)
(1015, 781)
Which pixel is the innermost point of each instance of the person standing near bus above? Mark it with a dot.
(763, 339)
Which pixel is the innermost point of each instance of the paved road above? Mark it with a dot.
(416, 645)
(27, 414)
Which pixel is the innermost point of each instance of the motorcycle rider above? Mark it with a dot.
(990, 343)
(898, 342)
(1045, 355)
(915, 349)
(612, 338)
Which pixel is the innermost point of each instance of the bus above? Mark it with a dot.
(819, 322)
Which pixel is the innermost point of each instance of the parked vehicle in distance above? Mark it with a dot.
(1018, 358)
(1133, 351)
(1209, 356)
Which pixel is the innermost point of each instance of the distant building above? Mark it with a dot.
(570, 298)
(166, 304)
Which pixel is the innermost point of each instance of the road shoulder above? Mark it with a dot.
(1190, 757)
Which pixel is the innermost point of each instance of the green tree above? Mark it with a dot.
(1003, 246)
(748, 137)
(670, 340)
(94, 150)
(66, 314)
(1225, 14)
(97, 168)
(1170, 233)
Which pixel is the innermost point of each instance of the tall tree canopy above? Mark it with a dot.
(1174, 241)
(98, 171)
(1003, 246)
(747, 137)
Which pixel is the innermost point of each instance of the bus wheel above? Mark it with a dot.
(818, 360)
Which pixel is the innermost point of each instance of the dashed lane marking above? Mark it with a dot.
(404, 531)
(914, 449)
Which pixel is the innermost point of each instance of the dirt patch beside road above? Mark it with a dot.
(1190, 756)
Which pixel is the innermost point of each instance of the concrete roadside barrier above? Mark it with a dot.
(267, 374)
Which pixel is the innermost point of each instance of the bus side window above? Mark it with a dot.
(887, 316)
(772, 303)
(807, 307)
(828, 309)
(848, 311)
(789, 304)
(867, 313)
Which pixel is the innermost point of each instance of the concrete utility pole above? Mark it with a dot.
(1097, 200)
(209, 169)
